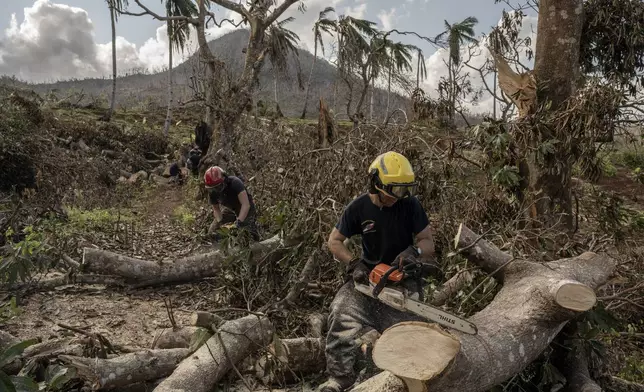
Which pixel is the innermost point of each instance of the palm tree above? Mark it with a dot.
(421, 69)
(357, 42)
(115, 6)
(457, 34)
(280, 43)
(322, 25)
(398, 58)
(178, 35)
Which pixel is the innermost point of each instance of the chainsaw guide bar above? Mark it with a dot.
(397, 300)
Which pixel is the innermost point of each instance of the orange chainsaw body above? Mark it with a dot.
(379, 271)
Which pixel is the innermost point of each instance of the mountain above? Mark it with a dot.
(151, 89)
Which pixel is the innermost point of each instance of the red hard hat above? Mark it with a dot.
(214, 176)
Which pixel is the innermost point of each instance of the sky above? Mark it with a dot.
(49, 40)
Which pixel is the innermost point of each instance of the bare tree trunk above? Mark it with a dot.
(168, 116)
(557, 66)
(418, 71)
(536, 301)
(494, 97)
(388, 90)
(109, 114)
(308, 84)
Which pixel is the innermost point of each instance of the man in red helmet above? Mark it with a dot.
(230, 193)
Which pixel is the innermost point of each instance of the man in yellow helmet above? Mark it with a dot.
(389, 219)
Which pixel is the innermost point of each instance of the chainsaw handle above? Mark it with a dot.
(383, 281)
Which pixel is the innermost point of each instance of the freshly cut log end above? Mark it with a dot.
(574, 296)
(415, 350)
(205, 319)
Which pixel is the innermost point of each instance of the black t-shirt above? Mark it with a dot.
(229, 196)
(385, 232)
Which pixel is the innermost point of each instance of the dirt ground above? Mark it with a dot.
(124, 317)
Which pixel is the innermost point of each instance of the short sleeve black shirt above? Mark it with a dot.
(385, 232)
(229, 196)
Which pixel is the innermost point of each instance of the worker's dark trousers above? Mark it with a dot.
(352, 314)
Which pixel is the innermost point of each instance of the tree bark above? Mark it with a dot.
(110, 112)
(235, 340)
(291, 360)
(127, 369)
(167, 338)
(536, 301)
(205, 320)
(557, 68)
(168, 116)
(308, 84)
(187, 269)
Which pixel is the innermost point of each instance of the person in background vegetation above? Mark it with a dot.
(231, 202)
(388, 218)
(193, 159)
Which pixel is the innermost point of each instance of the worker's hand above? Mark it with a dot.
(358, 271)
(407, 256)
(410, 262)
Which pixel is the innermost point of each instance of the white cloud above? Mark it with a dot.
(387, 18)
(437, 68)
(56, 41)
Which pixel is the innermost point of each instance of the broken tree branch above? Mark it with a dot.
(234, 341)
(127, 369)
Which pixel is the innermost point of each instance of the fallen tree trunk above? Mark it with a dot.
(534, 304)
(292, 359)
(173, 337)
(234, 341)
(127, 369)
(187, 269)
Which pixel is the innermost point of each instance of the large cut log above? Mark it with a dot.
(533, 305)
(288, 360)
(234, 341)
(127, 369)
(148, 273)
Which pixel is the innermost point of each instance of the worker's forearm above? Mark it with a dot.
(427, 248)
(243, 212)
(340, 251)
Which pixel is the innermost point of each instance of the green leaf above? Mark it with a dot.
(24, 384)
(8, 355)
(57, 376)
(6, 383)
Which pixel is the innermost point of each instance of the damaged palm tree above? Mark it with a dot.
(326, 125)
(535, 303)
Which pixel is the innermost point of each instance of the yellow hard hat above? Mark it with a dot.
(392, 173)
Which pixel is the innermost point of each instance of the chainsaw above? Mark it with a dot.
(383, 274)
